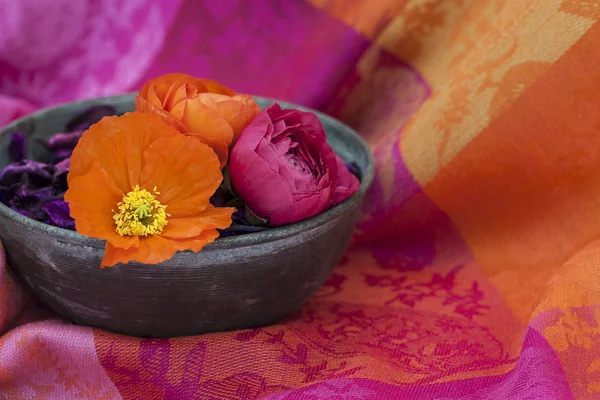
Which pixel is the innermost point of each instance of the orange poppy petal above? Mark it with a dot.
(166, 88)
(143, 105)
(185, 171)
(211, 99)
(248, 102)
(201, 120)
(149, 251)
(237, 114)
(91, 198)
(178, 93)
(196, 243)
(115, 255)
(152, 98)
(220, 148)
(211, 218)
(116, 144)
(144, 91)
(238, 110)
(171, 92)
(164, 85)
(215, 87)
(239, 121)
(156, 249)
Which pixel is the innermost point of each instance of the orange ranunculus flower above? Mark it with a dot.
(144, 188)
(199, 107)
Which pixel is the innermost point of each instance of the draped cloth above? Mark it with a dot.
(473, 272)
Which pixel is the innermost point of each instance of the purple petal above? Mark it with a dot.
(64, 166)
(26, 195)
(28, 202)
(89, 117)
(35, 189)
(58, 214)
(17, 147)
(59, 180)
(63, 141)
(36, 173)
(61, 156)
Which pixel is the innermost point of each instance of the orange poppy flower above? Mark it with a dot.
(144, 188)
(199, 107)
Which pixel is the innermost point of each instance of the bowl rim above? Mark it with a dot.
(272, 234)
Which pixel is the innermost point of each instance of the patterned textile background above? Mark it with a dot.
(474, 273)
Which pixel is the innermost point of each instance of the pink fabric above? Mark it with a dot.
(13, 108)
(53, 356)
(54, 52)
(538, 374)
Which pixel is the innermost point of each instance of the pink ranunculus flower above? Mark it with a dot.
(284, 169)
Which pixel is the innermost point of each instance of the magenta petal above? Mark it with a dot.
(315, 127)
(262, 189)
(347, 183)
(298, 210)
(283, 168)
(255, 131)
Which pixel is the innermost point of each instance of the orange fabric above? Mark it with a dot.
(535, 201)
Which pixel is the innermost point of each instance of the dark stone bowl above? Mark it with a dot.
(237, 282)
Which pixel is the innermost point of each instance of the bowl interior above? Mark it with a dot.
(42, 125)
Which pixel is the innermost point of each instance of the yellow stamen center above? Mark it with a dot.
(140, 214)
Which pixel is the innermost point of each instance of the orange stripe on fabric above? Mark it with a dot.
(525, 193)
(365, 16)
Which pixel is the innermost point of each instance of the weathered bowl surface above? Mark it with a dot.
(234, 283)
